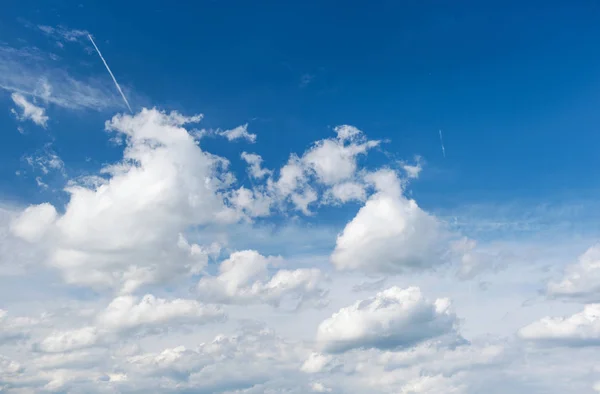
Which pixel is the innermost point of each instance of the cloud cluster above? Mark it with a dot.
(147, 248)
(127, 230)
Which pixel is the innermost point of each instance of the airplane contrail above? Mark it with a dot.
(442, 142)
(110, 72)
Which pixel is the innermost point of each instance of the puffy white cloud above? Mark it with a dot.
(244, 278)
(128, 229)
(29, 111)
(251, 202)
(581, 280)
(240, 132)
(394, 318)
(65, 341)
(334, 160)
(580, 329)
(255, 163)
(127, 312)
(390, 233)
(347, 191)
(317, 362)
(33, 223)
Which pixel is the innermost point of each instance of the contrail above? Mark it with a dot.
(442, 142)
(111, 74)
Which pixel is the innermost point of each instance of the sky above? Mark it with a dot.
(295, 197)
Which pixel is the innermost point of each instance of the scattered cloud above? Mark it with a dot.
(240, 132)
(63, 33)
(154, 264)
(29, 111)
(254, 162)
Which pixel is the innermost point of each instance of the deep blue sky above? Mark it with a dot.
(515, 88)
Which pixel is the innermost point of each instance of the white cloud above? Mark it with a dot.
(240, 132)
(29, 111)
(317, 362)
(46, 160)
(127, 312)
(64, 33)
(394, 318)
(244, 278)
(390, 233)
(335, 160)
(15, 329)
(65, 341)
(347, 191)
(129, 228)
(581, 280)
(33, 223)
(413, 170)
(126, 315)
(160, 219)
(580, 329)
(255, 163)
(28, 72)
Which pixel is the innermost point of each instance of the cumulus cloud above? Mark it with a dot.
(33, 223)
(128, 228)
(244, 278)
(126, 315)
(65, 341)
(335, 160)
(390, 233)
(240, 132)
(580, 329)
(581, 280)
(254, 162)
(29, 111)
(394, 318)
(238, 363)
(127, 312)
(161, 220)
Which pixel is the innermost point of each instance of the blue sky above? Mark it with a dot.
(513, 87)
(123, 236)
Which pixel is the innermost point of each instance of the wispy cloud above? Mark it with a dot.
(63, 33)
(240, 132)
(31, 72)
(306, 79)
(29, 111)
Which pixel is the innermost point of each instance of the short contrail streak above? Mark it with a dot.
(110, 72)
(441, 142)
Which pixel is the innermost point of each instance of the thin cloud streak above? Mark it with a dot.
(111, 74)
